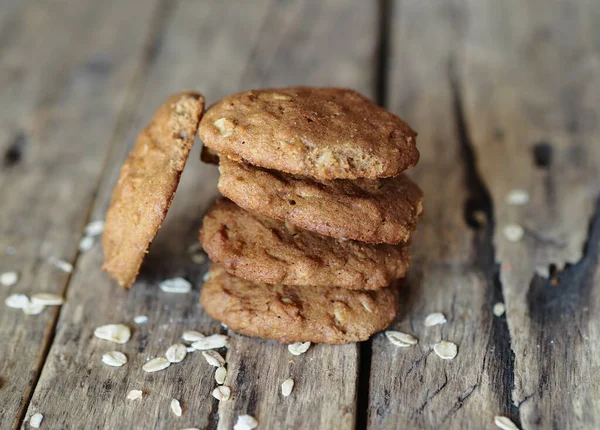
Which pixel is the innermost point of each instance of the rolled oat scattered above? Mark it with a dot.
(190, 349)
(499, 309)
(435, 318)
(287, 386)
(517, 197)
(513, 232)
(245, 422)
(94, 228)
(298, 348)
(400, 339)
(176, 353)
(36, 420)
(213, 341)
(86, 243)
(33, 309)
(505, 423)
(134, 395)
(47, 299)
(140, 319)
(63, 265)
(445, 350)
(156, 364)
(222, 393)
(214, 358)
(114, 358)
(192, 336)
(9, 279)
(206, 276)
(176, 285)
(118, 333)
(220, 375)
(17, 301)
(176, 407)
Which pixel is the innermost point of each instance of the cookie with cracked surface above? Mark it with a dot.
(297, 314)
(374, 211)
(148, 180)
(324, 133)
(262, 249)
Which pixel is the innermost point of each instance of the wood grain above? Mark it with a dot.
(539, 63)
(453, 263)
(59, 103)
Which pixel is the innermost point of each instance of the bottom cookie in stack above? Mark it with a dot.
(297, 313)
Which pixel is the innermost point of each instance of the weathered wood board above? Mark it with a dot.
(59, 104)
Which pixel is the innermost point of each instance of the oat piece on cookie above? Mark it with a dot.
(324, 133)
(148, 180)
(262, 249)
(297, 314)
(374, 211)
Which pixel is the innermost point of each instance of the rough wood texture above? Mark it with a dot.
(59, 103)
(539, 65)
(453, 263)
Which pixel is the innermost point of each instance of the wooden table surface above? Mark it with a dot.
(505, 96)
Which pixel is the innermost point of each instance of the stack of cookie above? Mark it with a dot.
(318, 218)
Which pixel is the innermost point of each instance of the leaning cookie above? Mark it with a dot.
(374, 211)
(297, 314)
(262, 249)
(148, 180)
(324, 133)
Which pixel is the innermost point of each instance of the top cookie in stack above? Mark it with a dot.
(322, 214)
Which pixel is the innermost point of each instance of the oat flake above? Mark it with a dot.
(33, 309)
(505, 423)
(245, 422)
(286, 387)
(140, 319)
(9, 279)
(36, 420)
(86, 243)
(176, 285)
(16, 301)
(114, 358)
(176, 407)
(298, 348)
(214, 358)
(220, 375)
(513, 232)
(400, 339)
(94, 228)
(156, 364)
(63, 265)
(213, 341)
(206, 276)
(47, 299)
(176, 353)
(192, 336)
(435, 318)
(134, 395)
(499, 309)
(517, 197)
(222, 393)
(445, 350)
(118, 333)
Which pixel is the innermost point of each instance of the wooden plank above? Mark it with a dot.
(538, 63)
(266, 43)
(300, 45)
(453, 264)
(59, 103)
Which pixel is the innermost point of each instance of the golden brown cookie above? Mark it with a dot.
(262, 249)
(148, 180)
(324, 133)
(297, 314)
(374, 211)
